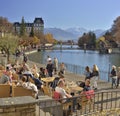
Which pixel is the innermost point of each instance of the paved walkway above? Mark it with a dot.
(102, 85)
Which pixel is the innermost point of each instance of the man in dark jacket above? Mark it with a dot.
(49, 68)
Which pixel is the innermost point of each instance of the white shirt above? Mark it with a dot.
(31, 86)
(61, 91)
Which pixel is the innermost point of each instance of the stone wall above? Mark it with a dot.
(18, 106)
(26, 110)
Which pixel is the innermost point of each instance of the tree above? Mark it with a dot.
(5, 26)
(35, 41)
(89, 39)
(49, 38)
(110, 39)
(41, 37)
(32, 32)
(22, 27)
(82, 40)
(92, 40)
(9, 43)
(115, 32)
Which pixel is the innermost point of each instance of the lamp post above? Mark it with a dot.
(109, 68)
(61, 45)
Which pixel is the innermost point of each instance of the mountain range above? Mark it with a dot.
(71, 33)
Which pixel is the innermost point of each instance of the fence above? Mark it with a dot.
(104, 75)
(77, 69)
(103, 103)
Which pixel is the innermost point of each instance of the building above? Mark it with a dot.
(38, 26)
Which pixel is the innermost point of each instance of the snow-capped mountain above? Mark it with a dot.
(70, 33)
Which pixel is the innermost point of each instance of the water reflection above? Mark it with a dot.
(78, 57)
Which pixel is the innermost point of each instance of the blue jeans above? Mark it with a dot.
(114, 82)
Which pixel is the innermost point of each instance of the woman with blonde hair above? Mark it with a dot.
(34, 70)
(95, 76)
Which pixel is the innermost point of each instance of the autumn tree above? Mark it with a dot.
(9, 43)
(115, 30)
(5, 26)
(41, 37)
(49, 37)
(35, 41)
(89, 39)
(110, 39)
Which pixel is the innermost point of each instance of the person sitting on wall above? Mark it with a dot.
(29, 85)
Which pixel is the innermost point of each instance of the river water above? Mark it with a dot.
(80, 58)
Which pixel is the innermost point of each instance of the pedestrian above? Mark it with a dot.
(55, 64)
(62, 68)
(48, 59)
(95, 76)
(113, 75)
(49, 68)
(25, 58)
(118, 77)
(88, 72)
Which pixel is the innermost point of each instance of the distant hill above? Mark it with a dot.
(70, 33)
(60, 34)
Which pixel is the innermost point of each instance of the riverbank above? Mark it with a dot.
(69, 76)
(102, 85)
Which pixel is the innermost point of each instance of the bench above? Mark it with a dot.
(4, 90)
(21, 91)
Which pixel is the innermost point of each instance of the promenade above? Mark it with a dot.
(103, 87)
(69, 76)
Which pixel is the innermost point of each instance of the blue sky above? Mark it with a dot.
(88, 14)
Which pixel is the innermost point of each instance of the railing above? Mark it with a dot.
(102, 103)
(104, 75)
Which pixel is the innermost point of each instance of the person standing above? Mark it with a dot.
(113, 75)
(95, 76)
(49, 68)
(25, 58)
(88, 73)
(62, 68)
(118, 77)
(48, 59)
(55, 64)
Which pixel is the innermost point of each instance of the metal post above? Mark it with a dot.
(85, 47)
(109, 73)
(61, 45)
(101, 101)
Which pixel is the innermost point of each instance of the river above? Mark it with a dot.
(80, 58)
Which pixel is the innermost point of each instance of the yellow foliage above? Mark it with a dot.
(102, 38)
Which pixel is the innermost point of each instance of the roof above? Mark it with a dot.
(39, 20)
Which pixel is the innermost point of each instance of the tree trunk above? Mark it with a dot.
(8, 55)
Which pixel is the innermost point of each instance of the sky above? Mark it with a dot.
(88, 14)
